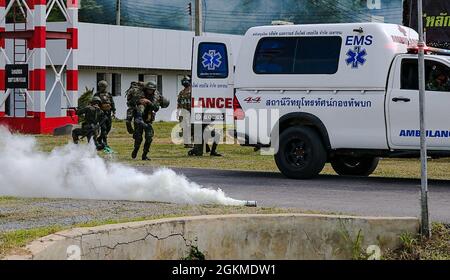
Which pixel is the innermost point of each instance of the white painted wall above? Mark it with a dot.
(130, 51)
(132, 47)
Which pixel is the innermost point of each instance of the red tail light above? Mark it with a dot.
(237, 109)
(415, 50)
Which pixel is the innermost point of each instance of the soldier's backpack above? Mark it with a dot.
(134, 93)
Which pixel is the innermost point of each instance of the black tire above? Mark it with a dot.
(301, 154)
(354, 166)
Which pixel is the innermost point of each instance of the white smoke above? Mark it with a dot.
(76, 171)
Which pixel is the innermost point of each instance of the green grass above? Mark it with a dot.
(13, 242)
(6, 199)
(415, 248)
(165, 153)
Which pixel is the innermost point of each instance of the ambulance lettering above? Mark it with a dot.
(359, 40)
(253, 100)
(211, 102)
(429, 133)
(357, 56)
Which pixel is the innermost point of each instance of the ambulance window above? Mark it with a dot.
(275, 56)
(212, 61)
(409, 75)
(297, 55)
(437, 76)
(317, 55)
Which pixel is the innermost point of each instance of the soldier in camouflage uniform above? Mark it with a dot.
(208, 131)
(134, 94)
(184, 109)
(144, 115)
(93, 118)
(109, 109)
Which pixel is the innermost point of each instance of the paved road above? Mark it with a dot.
(362, 196)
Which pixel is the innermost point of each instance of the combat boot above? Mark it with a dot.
(213, 151)
(196, 151)
(75, 138)
(145, 157)
(134, 153)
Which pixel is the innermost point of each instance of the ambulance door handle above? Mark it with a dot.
(397, 99)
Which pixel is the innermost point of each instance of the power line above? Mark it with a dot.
(390, 10)
(173, 9)
(159, 12)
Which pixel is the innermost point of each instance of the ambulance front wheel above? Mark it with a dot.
(354, 166)
(301, 154)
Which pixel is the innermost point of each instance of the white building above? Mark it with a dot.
(122, 54)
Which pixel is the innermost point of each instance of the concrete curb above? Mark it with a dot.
(255, 236)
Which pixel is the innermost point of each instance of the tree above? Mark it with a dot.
(96, 11)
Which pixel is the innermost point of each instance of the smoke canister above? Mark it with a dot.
(250, 203)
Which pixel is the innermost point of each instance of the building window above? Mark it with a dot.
(114, 81)
(116, 84)
(297, 55)
(157, 79)
(101, 77)
(159, 84)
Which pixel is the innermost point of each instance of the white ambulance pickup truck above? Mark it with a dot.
(340, 93)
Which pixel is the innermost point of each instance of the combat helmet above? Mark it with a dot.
(164, 102)
(102, 84)
(96, 99)
(186, 81)
(150, 86)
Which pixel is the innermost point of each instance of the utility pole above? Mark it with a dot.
(117, 12)
(198, 18)
(425, 221)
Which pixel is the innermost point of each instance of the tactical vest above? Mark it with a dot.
(105, 97)
(184, 99)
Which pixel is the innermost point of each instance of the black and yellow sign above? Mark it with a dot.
(16, 76)
(436, 20)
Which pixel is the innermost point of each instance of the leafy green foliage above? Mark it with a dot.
(97, 11)
(417, 248)
(195, 255)
(84, 100)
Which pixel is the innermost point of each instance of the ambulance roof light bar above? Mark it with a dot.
(429, 50)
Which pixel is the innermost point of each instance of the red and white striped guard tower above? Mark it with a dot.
(34, 34)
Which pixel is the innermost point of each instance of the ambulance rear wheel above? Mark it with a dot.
(301, 154)
(354, 166)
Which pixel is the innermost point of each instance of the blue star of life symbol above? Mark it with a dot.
(212, 60)
(356, 57)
